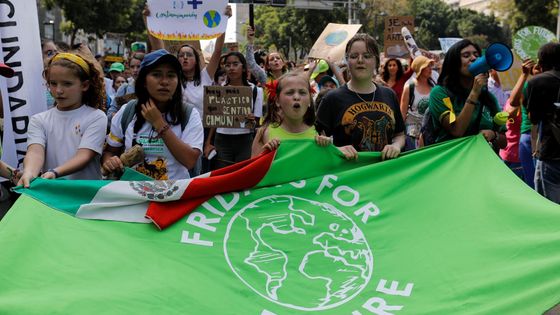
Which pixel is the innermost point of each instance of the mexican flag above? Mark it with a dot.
(443, 230)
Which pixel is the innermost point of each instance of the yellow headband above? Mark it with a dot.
(74, 58)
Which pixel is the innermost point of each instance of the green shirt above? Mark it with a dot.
(525, 122)
(438, 110)
(277, 132)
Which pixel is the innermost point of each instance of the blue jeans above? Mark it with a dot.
(516, 168)
(526, 159)
(547, 179)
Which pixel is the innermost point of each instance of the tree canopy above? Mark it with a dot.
(101, 16)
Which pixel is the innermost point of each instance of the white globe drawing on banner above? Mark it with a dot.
(298, 253)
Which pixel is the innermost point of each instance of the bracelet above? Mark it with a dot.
(54, 172)
(469, 101)
(163, 130)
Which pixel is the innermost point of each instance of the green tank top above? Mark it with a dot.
(277, 132)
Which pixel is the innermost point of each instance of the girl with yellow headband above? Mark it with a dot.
(67, 140)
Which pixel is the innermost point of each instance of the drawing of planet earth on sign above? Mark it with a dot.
(298, 253)
(212, 18)
(336, 38)
(528, 40)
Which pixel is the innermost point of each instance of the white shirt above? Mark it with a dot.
(159, 163)
(194, 94)
(62, 133)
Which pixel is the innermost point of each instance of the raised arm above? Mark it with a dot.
(517, 92)
(255, 69)
(155, 43)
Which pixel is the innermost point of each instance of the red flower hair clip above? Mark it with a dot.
(271, 88)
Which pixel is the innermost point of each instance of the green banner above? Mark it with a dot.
(443, 230)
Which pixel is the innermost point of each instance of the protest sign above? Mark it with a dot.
(227, 106)
(447, 42)
(25, 93)
(187, 20)
(393, 40)
(527, 41)
(332, 41)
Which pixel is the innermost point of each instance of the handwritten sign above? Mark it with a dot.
(393, 40)
(227, 106)
(447, 42)
(331, 44)
(187, 19)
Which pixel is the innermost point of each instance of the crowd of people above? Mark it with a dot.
(154, 100)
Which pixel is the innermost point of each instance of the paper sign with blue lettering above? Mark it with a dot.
(187, 19)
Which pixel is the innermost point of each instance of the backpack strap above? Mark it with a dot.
(411, 94)
(187, 109)
(254, 98)
(128, 115)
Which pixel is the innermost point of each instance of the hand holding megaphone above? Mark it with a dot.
(497, 56)
(480, 82)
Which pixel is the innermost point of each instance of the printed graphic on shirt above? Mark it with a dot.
(423, 105)
(156, 169)
(156, 165)
(370, 125)
(151, 143)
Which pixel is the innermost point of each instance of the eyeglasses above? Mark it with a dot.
(186, 55)
(366, 56)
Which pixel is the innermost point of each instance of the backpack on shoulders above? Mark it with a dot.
(129, 112)
(428, 131)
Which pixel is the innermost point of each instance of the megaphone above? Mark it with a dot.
(497, 56)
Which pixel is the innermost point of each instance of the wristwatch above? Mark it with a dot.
(53, 171)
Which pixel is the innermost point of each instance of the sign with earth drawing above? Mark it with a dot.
(187, 19)
(527, 41)
(332, 41)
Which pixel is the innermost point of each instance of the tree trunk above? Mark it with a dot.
(73, 37)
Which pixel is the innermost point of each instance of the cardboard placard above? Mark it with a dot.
(331, 44)
(227, 106)
(393, 40)
(187, 20)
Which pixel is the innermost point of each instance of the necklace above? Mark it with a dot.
(372, 98)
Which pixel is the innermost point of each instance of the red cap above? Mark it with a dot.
(6, 71)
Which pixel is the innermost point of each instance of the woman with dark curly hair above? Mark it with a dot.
(394, 76)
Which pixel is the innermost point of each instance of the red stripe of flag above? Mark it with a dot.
(236, 177)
